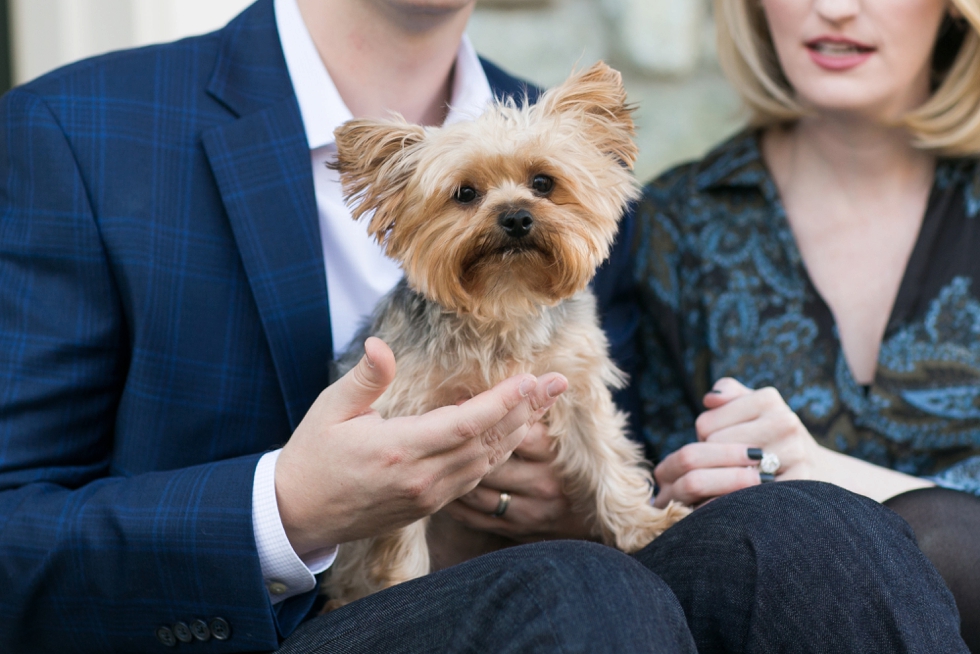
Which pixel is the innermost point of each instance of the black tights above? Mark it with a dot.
(947, 526)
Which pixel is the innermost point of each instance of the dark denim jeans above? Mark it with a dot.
(791, 567)
(804, 567)
(561, 596)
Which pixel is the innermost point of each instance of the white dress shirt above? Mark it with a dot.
(358, 272)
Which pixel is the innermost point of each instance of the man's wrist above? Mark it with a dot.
(284, 571)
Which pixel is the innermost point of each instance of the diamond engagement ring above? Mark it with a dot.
(768, 467)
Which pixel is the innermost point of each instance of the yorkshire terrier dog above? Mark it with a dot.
(500, 224)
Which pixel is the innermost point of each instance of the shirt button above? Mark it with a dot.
(166, 637)
(277, 587)
(220, 629)
(182, 632)
(200, 630)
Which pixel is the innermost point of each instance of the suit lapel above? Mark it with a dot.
(261, 162)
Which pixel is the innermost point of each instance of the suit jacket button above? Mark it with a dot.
(200, 630)
(220, 629)
(182, 632)
(166, 637)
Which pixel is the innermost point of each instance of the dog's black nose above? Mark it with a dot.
(516, 224)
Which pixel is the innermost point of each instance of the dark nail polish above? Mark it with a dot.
(754, 453)
(715, 391)
(766, 477)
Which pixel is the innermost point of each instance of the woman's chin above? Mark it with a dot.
(847, 102)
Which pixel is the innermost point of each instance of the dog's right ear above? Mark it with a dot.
(376, 159)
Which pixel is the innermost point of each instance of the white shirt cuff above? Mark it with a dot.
(284, 572)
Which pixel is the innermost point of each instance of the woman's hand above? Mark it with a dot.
(538, 509)
(699, 472)
(739, 425)
(760, 419)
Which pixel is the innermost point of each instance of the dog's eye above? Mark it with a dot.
(542, 184)
(465, 194)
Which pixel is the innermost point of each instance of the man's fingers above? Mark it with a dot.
(478, 520)
(354, 393)
(532, 478)
(694, 456)
(537, 444)
(484, 500)
(495, 416)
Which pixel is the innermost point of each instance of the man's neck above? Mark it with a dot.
(384, 57)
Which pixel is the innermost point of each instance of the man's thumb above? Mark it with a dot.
(354, 393)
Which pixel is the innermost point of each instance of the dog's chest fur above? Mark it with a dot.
(443, 358)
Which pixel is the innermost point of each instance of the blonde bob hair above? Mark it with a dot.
(946, 124)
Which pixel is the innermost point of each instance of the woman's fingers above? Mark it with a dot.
(743, 408)
(694, 456)
(724, 391)
(700, 471)
(703, 484)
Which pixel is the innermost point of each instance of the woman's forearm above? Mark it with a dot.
(865, 478)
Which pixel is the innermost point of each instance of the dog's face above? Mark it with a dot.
(500, 215)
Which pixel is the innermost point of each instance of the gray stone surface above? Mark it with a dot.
(665, 49)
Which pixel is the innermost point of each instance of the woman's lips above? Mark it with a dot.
(838, 54)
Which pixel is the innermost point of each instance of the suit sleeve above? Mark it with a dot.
(619, 313)
(93, 560)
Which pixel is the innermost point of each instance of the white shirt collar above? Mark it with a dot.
(320, 104)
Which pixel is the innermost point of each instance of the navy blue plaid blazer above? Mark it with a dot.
(163, 322)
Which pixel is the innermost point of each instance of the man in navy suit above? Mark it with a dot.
(176, 273)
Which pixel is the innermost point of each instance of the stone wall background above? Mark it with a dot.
(665, 49)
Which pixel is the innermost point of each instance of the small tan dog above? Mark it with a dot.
(500, 224)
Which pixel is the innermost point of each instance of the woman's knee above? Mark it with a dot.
(804, 511)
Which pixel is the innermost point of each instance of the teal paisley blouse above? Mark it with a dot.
(724, 292)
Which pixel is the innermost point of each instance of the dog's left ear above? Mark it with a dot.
(598, 98)
(376, 159)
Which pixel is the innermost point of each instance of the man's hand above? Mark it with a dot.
(347, 473)
(539, 508)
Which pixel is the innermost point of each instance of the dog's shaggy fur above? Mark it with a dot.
(500, 224)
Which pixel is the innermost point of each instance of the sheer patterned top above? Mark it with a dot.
(724, 292)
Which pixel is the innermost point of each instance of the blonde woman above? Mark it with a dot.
(828, 257)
